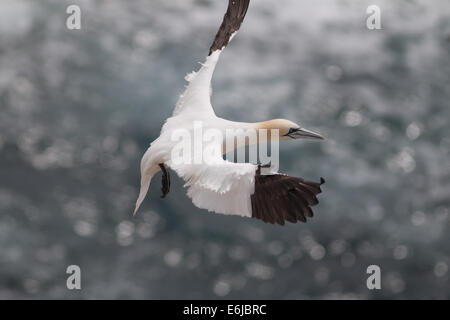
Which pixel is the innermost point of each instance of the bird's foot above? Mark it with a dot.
(264, 166)
(165, 180)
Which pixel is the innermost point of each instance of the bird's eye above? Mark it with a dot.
(291, 130)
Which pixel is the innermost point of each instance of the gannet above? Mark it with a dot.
(223, 186)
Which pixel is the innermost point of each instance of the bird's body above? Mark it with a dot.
(219, 185)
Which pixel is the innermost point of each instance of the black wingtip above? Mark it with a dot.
(278, 198)
(232, 21)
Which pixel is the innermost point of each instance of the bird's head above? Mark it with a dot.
(289, 130)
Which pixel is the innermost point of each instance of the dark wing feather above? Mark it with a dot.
(279, 198)
(231, 23)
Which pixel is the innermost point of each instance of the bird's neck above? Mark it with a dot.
(253, 132)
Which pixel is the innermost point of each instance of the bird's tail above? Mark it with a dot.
(146, 178)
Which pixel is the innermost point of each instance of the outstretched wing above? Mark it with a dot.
(240, 189)
(279, 198)
(196, 99)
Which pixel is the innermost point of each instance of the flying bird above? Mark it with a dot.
(222, 186)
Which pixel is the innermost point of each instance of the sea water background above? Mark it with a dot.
(79, 108)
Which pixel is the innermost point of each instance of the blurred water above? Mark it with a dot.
(78, 109)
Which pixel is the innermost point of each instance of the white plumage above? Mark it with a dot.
(222, 187)
(219, 185)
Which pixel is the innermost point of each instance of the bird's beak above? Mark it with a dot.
(302, 133)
